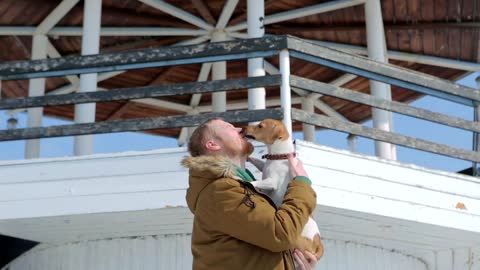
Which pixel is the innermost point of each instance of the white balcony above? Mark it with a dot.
(431, 215)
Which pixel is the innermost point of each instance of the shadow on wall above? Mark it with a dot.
(10, 248)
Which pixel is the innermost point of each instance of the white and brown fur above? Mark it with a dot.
(277, 175)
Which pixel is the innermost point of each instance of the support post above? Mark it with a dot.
(219, 72)
(377, 50)
(476, 136)
(285, 91)
(36, 87)
(308, 105)
(255, 29)
(85, 113)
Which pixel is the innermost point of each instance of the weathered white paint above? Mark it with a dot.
(36, 87)
(173, 252)
(285, 91)
(377, 50)
(256, 29)
(85, 113)
(308, 130)
(360, 199)
(219, 72)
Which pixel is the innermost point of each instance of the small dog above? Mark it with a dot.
(277, 175)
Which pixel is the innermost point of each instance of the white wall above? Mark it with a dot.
(173, 252)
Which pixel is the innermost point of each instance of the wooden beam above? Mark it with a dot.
(143, 58)
(383, 72)
(117, 114)
(384, 136)
(202, 8)
(136, 124)
(393, 106)
(141, 92)
(162, 76)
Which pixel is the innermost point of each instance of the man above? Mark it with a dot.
(236, 227)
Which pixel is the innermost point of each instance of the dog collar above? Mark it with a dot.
(278, 156)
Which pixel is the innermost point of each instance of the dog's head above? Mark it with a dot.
(268, 131)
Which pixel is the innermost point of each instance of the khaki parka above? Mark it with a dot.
(236, 227)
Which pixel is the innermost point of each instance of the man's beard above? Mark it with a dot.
(245, 150)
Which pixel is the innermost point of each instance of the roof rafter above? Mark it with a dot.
(203, 9)
(301, 12)
(178, 13)
(226, 14)
(55, 16)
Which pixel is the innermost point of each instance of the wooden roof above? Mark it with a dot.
(443, 28)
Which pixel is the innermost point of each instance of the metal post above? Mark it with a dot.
(476, 136)
(377, 50)
(36, 88)
(85, 113)
(308, 130)
(219, 72)
(285, 92)
(255, 29)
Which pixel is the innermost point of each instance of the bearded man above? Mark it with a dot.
(235, 226)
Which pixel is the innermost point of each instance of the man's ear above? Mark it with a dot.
(212, 146)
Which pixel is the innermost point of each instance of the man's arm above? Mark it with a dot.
(225, 207)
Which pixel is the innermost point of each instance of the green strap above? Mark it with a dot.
(245, 175)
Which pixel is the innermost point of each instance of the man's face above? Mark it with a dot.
(231, 139)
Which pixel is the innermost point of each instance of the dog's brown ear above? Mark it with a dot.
(279, 132)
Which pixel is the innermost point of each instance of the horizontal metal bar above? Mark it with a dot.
(383, 72)
(136, 124)
(393, 106)
(141, 92)
(143, 58)
(384, 136)
(404, 56)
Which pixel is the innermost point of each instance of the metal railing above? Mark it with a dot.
(243, 49)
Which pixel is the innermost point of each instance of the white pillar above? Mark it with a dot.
(476, 136)
(219, 72)
(255, 28)
(377, 50)
(308, 130)
(285, 91)
(36, 87)
(85, 113)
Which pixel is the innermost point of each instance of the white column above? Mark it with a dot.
(255, 28)
(219, 72)
(377, 50)
(476, 136)
(85, 113)
(285, 91)
(36, 87)
(308, 130)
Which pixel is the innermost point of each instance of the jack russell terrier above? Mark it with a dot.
(277, 175)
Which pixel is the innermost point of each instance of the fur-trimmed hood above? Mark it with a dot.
(204, 170)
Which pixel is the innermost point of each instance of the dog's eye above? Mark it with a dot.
(260, 126)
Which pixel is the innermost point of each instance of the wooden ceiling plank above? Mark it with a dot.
(204, 11)
(117, 114)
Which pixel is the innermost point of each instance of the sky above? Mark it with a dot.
(130, 141)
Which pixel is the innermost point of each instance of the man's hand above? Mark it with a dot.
(304, 260)
(296, 167)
